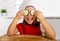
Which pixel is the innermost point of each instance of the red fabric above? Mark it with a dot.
(28, 30)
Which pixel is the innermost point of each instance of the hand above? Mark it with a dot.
(19, 14)
(39, 15)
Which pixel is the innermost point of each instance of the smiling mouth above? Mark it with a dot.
(29, 19)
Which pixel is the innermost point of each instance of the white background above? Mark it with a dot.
(49, 8)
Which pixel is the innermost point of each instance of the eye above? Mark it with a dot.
(25, 12)
(32, 12)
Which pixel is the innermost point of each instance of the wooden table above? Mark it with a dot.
(24, 38)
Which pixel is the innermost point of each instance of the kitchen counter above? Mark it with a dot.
(24, 38)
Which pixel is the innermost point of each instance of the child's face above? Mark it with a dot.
(29, 17)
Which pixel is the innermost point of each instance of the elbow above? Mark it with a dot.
(53, 36)
(10, 34)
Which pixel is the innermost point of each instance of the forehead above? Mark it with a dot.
(30, 8)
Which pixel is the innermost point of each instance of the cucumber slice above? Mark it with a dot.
(32, 12)
(25, 12)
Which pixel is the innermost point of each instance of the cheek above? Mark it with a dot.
(25, 17)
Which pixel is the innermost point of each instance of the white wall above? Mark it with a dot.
(50, 8)
(4, 24)
(11, 6)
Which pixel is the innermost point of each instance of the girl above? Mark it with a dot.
(30, 25)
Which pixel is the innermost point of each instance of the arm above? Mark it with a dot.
(12, 28)
(49, 31)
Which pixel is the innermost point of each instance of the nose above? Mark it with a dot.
(29, 15)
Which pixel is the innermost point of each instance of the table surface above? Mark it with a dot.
(24, 38)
